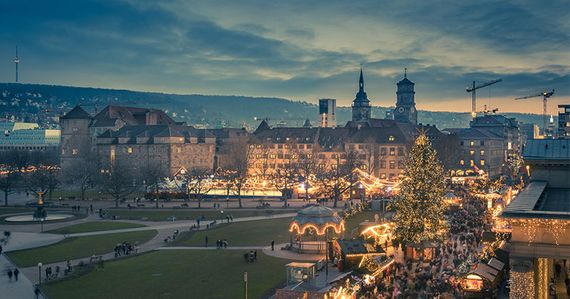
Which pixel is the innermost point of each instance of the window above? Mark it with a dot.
(471, 163)
(392, 164)
(271, 156)
(383, 164)
(301, 146)
(400, 151)
(309, 146)
(472, 143)
(391, 138)
(482, 153)
(392, 151)
(383, 176)
(471, 152)
(178, 150)
(74, 129)
(509, 145)
(400, 164)
(461, 143)
(280, 146)
(74, 151)
(482, 142)
(383, 151)
(130, 150)
(482, 162)
(461, 162)
(309, 156)
(363, 167)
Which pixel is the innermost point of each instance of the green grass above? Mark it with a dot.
(94, 226)
(181, 214)
(176, 274)
(79, 247)
(254, 233)
(354, 221)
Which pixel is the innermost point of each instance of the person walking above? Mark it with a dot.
(10, 274)
(272, 245)
(206, 241)
(16, 273)
(1, 249)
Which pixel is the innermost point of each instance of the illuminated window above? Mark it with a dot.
(178, 150)
(75, 129)
(392, 164)
(272, 156)
(130, 150)
(509, 145)
(482, 153)
(392, 151)
(112, 155)
(472, 143)
(400, 151)
(391, 138)
(471, 152)
(383, 176)
(383, 164)
(363, 167)
(482, 162)
(74, 151)
(462, 162)
(472, 163)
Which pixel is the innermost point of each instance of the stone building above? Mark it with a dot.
(361, 105)
(540, 219)
(405, 110)
(136, 136)
(564, 121)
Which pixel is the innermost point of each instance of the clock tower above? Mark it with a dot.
(405, 110)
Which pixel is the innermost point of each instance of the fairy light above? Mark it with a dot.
(522, 286)
(555, 227)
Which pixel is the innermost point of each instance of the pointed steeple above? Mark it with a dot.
(361, 81)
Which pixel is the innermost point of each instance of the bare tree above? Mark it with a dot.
(338, 178)
(306, 170)
(9, 174)
(43, 179)
(236, 172)
(83, 173)
(117, 181)
(195, 183)
(153, 174)
(284, 178)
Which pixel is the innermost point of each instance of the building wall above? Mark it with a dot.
(75, 141)
(485, 154)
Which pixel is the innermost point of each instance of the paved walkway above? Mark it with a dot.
(21, 289)
(211, 248)
(290, 255)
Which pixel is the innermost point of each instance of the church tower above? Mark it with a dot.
(361, 104)
(405, 110)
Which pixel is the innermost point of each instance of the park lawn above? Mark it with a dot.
(176, 274)
(77, 247)
(186, 214)
(249, 233)
(354, 221)
(94, 226)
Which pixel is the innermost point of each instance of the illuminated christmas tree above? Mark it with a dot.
(419, 207)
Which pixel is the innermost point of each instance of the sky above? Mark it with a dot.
(299, 50)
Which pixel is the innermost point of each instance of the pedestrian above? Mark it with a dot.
(0, 249)
(206, 240)
(10, 274)
(16, 273)
(37, 292)
(68, 263)
(272, 245)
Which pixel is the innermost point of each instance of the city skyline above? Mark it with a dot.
(298, 51)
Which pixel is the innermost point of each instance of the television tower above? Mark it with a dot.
(17, 61)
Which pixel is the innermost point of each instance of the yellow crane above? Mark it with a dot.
(545, 95)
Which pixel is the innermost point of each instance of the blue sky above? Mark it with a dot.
(301, 50)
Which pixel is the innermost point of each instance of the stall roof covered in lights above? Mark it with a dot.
(319, 218)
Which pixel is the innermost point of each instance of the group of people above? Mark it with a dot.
(14, 273)
(222, 244)
(250, 256)
(125, 248)
(440, 274)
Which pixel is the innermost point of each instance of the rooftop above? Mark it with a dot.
(536, 200)
(551, 149)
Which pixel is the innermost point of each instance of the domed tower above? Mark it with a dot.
(361, 104)
(405, 110)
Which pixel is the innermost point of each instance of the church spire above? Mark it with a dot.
(361, 81)
(405, 72)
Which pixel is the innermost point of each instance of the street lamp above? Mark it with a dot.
(40, 273)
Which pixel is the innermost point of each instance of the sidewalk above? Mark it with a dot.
(21, 289)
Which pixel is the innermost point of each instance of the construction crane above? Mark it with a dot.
(545, 95)
(473, 92)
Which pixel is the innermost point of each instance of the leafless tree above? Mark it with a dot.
(195, 183)
(9, 174)
(236, 173)
(152, 175)
(306, 170)
(117, 181)
(339, 177)
(83, 173)
(43, 179)
(284, 178)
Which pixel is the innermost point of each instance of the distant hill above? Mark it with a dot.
(43, 103)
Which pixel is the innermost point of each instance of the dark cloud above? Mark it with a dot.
(184, 47)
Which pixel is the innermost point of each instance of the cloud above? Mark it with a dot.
(293, 49)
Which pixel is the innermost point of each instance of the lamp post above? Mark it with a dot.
(245, 285)
(40, 273)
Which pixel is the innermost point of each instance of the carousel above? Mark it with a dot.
(313, 228)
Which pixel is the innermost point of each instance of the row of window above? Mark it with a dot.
(472, 162)
(7, 148)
